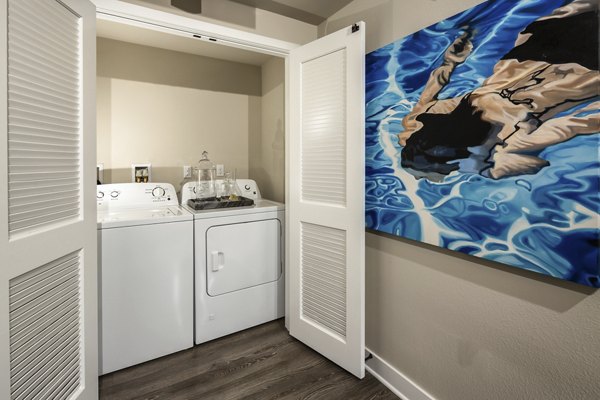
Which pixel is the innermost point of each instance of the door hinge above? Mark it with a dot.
(355, 28)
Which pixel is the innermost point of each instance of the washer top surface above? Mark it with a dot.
(248, 188)
(132, 204)
(260, 206)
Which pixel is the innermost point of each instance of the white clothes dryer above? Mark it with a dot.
(239, 264)
(145, 249)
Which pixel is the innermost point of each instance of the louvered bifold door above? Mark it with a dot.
(326, 196)
(48, 320)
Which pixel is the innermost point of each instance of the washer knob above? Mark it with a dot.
(158, 191)
(114, 194)
(100, 195)
(247, 187)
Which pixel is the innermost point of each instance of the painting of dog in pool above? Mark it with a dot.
(483, 133)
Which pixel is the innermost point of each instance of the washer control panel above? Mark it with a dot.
(132, 195)
(159, 192)
(249, 188)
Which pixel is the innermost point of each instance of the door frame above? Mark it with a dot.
(161, 21)
(148, 18)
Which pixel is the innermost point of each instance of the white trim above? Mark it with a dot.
(401, 385)
(286, 183)
(131, 14)
(4, 274)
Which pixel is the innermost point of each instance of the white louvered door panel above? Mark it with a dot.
(326, 196)
(43, 115)
(323, 156)
(45, 336)
(48, 276)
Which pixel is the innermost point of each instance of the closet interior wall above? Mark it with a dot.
(165, 107)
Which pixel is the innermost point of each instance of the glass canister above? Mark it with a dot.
(231, 191)
(207, 172)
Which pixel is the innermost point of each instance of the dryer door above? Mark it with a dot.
(242, 255)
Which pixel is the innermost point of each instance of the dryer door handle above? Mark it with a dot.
(218, 260)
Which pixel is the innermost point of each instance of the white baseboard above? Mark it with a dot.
(395, 380)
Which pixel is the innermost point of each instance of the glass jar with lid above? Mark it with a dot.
(206, 171)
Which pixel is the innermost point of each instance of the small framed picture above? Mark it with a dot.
(141, 173)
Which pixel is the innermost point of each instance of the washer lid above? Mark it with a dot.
(142, 216)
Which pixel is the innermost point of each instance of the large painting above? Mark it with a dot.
(482, 136)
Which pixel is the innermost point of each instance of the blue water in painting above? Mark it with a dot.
(547, 222)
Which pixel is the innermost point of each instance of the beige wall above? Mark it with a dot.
(166, 107)
(462, 328)
(267, 151)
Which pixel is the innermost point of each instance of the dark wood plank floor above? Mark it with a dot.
(260, 363)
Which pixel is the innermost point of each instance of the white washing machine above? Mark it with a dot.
(239, 264)
(145, 274)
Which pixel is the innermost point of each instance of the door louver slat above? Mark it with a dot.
(44, 148)
(26, 96)
(313, 309)
(45, 330)
(40, 108)
(46, 186)
(318, 291)
(42, 381)
(323, 129)
(32, 84)
(68, 384)
(33, 45)
(37, 118)
(47, 350)
(41, 221)
(42, 154)
(23, 292)
(44, 116)
(63, 196)
(29, 338)
(25, 160)
(46, 355)
(20, 335)
(20, 173)
(32, 35)
(44, 21)
(61, 299)
(323, 259)
(23, 57)
(36, 133)
(22, 212)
